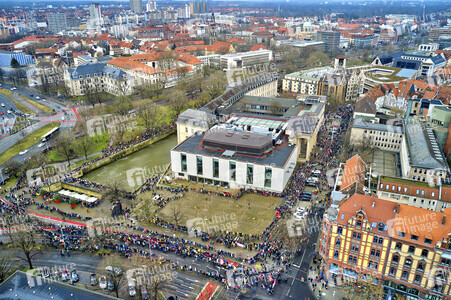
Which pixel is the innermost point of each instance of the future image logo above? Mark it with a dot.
(224, 222)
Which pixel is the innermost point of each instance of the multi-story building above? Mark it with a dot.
(57, 22)
(408, 249)
(151, 5)
(421, 157)
(136, 6)
(245, 59)
(95, 15)
(191, 121)
(306, 81)
(415, 193)
(230, 156)
(330, 38)
(436, 33)
(184, 12)
(97, 77)
(198, 7)
(333, 85)
(381, 136)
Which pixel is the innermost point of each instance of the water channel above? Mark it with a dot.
(132, 169)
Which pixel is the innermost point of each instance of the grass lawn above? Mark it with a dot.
(249, 214)
(25, 143)
(42, 107)
(11, 182)
(19, 106)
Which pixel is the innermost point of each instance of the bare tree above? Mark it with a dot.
(84, 145)
(177, 102)
(25, 241)
(176, 214)
(151, 116)
(7, 265)
(65, 146)
(114, 192)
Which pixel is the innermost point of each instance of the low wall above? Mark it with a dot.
(121, 154)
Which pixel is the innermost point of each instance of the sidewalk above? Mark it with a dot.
(322, 289)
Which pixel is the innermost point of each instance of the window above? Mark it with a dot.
(404, 274)
(424, 253)
(375, 239)
(408, 262)
(356, 235)
(378, 253)
(418, 192)
(335, 254)
(395, 259)
(250, 174)
(414, 237)
(215, 167)
(432, 194)
(183, 161)
(268, 177)
(405, 190)
(398, 246)
(381, 226)
(232, 169)
(186, 129)
(199, 165)
(380, 241)
(417, 279)
(337, 242)
(401, 234)
(411, 249)
(359, 223)
(421, 265)
(427, 241)
(339, 230)
(392, 271)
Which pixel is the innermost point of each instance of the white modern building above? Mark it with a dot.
(227, 155)
(246, 59)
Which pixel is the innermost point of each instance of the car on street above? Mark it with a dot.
(41, 145)
(102, 282)
(3, 104)
(37, 97)
(23, 152)
(93, 279)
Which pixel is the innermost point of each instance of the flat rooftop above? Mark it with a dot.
(276, 157)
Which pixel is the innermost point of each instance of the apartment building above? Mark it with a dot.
(407, 249)
(331, 39)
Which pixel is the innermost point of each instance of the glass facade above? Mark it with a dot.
(183, 161)
(215, 168)
(250, 174)
(199, 165)
(232, 169)
(268, 176)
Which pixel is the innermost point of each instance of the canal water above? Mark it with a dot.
(134, 168)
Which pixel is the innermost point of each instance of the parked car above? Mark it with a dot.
(144, 293)
(110, 285)
(131, 290)
(93, 279)
(74, 276)
(110, 269)
(23, 152)
(64, 275)
(102, 282)
(3, 104)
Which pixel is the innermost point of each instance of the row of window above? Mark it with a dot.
(384, 133)
(399, 189)
(232, 170)
(405, 275)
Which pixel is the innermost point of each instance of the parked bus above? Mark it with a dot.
(49, 134)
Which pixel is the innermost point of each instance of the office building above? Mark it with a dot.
(136, 6)
(330, 38)
(151, 5)
(57, 22)
(199, 7)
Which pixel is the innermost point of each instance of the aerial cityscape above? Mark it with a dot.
(216, 150)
